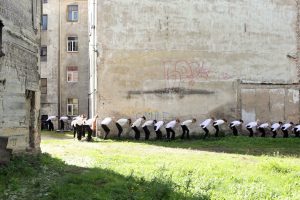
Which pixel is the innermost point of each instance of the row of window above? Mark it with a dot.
(72, 103)
(71, 17)
(72, 46)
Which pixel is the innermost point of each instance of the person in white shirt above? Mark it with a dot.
(169, 128)
(62, 120)
(285, 129)
(233, 126)
(216, 125)
(135, 127)
(205, 124)
(50, 123)
(104, 124)
(297, 130)
(262, 127)
(120, 123)
(275, 127)
(145, 128)
(185, 129)
(157, 130)
(250, 127)
(90, 127)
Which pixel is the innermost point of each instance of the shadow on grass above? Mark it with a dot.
(45, 177)
(230, 144)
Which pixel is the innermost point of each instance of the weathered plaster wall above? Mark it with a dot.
(20, 74)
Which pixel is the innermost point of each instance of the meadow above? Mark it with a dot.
(222, 168)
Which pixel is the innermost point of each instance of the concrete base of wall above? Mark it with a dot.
(5, 154)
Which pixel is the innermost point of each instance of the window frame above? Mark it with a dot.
(44, 57)
(74, 43)
(44, 26)
(72, 13)
(45, 86)
(72, 105)
(73, 72)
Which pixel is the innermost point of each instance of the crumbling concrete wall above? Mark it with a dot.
(180, 57)
(20, 74)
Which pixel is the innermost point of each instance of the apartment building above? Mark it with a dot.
(64, 58)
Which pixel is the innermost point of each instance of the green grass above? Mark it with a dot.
(224, 168)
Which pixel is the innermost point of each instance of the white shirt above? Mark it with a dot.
(158, 125)
(106, 121)
(218, 122)
(275, 126)
(171, 124)
(79, 121)
(51, 118)
(264, 125)
(64, 118)
(297, 128)
(187, 122)
(235, 123)
(251, 125)
(206, 123)
(89, 122)
(286, 126)
(122, 122)
(148, 123)
(137, 122)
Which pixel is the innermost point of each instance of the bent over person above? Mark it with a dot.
(135, 127)
(216, 125)
(169, 128)
(233, 126)
(104, 125)
(185, 129)
(145, 128)
(262, 128)
(205, 124)
(275, 127)
(157, 130)
(250, 127)
(120, 123)
(285, 129)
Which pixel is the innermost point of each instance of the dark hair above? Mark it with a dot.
(129, 121)
(144, 117)
(154, 121)
(241, 121)
(280, 122)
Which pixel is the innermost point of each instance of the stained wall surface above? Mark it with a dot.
(168, 59)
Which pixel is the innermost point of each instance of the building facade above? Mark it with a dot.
(198, 58)
(64, 58)
(19, 76)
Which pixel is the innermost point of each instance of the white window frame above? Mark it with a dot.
(72, 73)
(73, 44)
(72, 107)
(73, 13)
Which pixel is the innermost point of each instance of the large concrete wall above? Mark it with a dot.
(20, 74)
(183, 58)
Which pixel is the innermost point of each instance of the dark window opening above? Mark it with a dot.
(43, 85)
(45, 22)
(1, 29)
(43, 53)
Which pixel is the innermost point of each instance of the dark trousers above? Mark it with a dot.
(90, 132)
(158, 134)
(51, 126)
(234, 130)
(285, 133)
(274, 134)
(74, 131)
(170, 130)
(185, 130)
(250, 132)
(147, 132)
(120, 129)
(62, 125)
(263, 132)
(137, 133)
(79, 131)
(206, 132)
(106, 130)
(217, 130)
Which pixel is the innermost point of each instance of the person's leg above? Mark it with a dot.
(173, 134)
(79, 132)
(274, 134)
(206, 132)
(159, 134)
(137, 133)
(90, 131)
(235, 132)
(297, 134)
(168, 133)
(74, 131)
(187, 132)
(217, 130)
(250, 132)
(106, 130)
(262, 131)
(285, 133)
(120, 129)
(183, 131)
(147, 132)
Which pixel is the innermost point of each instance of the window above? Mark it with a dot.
(45, 22)
(45, 1)
(72, 44)
(43, 53)
(72, 74)
(72, 106)
(43, 85)
(1, 28)
(73, 13)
